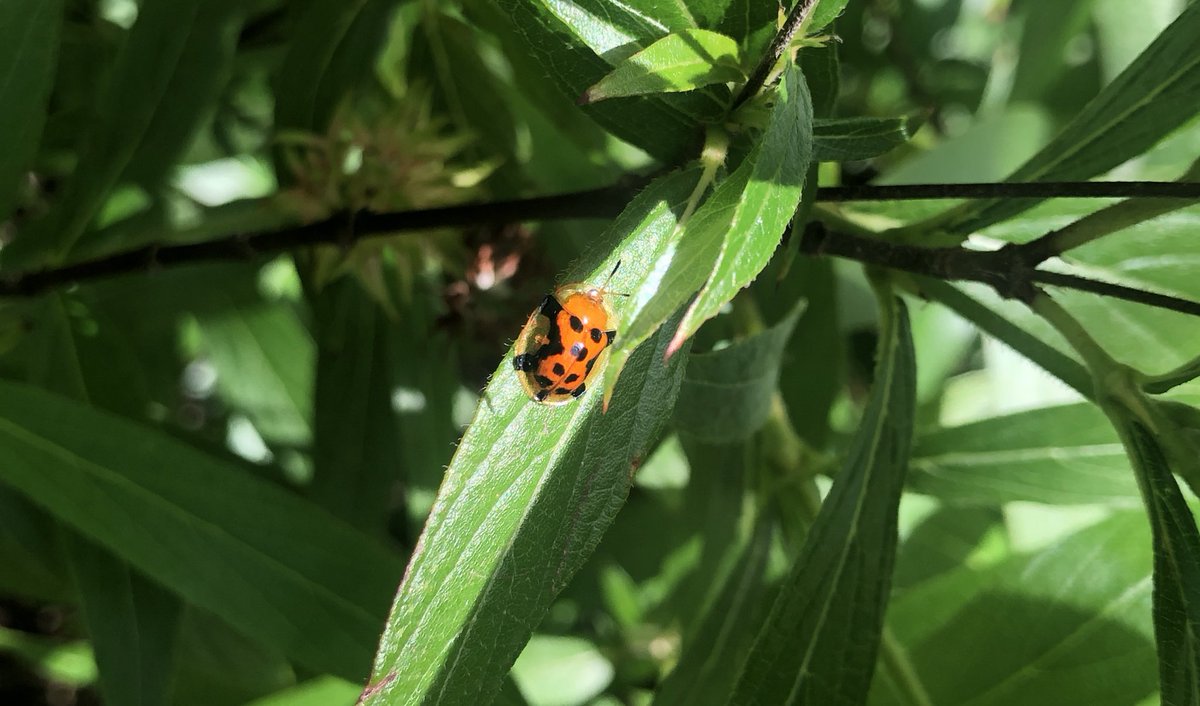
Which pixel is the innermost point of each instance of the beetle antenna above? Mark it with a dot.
(614, 271)
(608, 279)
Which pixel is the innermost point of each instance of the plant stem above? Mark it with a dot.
(1105, 221)
(783, 38)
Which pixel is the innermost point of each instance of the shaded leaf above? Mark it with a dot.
(1152, 96)
(1057, 455)
(276, 566)
(1068, 624)
(529, 493)
(1176, 567)
(153, 100)
(356, 447)
(849, 139)
(713, 657)
(332, 50)
(28, 43)
(819, 643)
(726, 394)
(133, 623)
(677, 62)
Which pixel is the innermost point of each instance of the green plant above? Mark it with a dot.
(262, 262)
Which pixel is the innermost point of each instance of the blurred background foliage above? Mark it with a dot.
(341, 376)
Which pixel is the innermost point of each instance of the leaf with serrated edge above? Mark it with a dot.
(756, 200)
(818, 645)
(726, 394)
(849, 139)
(767, 205)
(677, 62)
(526, 499)
(1176, 567)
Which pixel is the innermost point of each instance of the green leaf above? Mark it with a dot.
(750, 231)
(332, 51)
(1151, 98)
(1133, 333)
(558, 670)
(849, 139)
(1058, 455)
(677, 62)
(1176, 567)
(1046, 30)
(733, 233)
(529, 493)
(819, 643)
(726, 394)
(132, 621)
(751, 22)
(1068, 624)
(28, 44)
(154, 100)
(322, 691)
(713, 657)
(356, 448)
(825, 13)
(275, 566)
(578, 44)
(1002, 327)
(263, 358)
(31, 551)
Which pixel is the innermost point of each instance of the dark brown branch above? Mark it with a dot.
(783, 38)
(595, 203)
(1013, 190)
(1005, 270)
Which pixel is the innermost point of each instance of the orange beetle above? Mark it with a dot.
(562, 340)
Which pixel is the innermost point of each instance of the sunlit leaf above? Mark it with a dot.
(528, 495)
(677, 62)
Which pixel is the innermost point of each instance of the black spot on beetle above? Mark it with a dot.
(524, 362)
(576, 324)
(582, 354)
(559, 369)
(578, 391)
(590, 363)
(564, 391)
(541, 395)
(595, 335)
(543, 381)
(550, 307)
(571, 378)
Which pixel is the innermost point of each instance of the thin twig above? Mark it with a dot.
(1013, 190)
(1003, 270)
(783, 38)
(593, 203)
